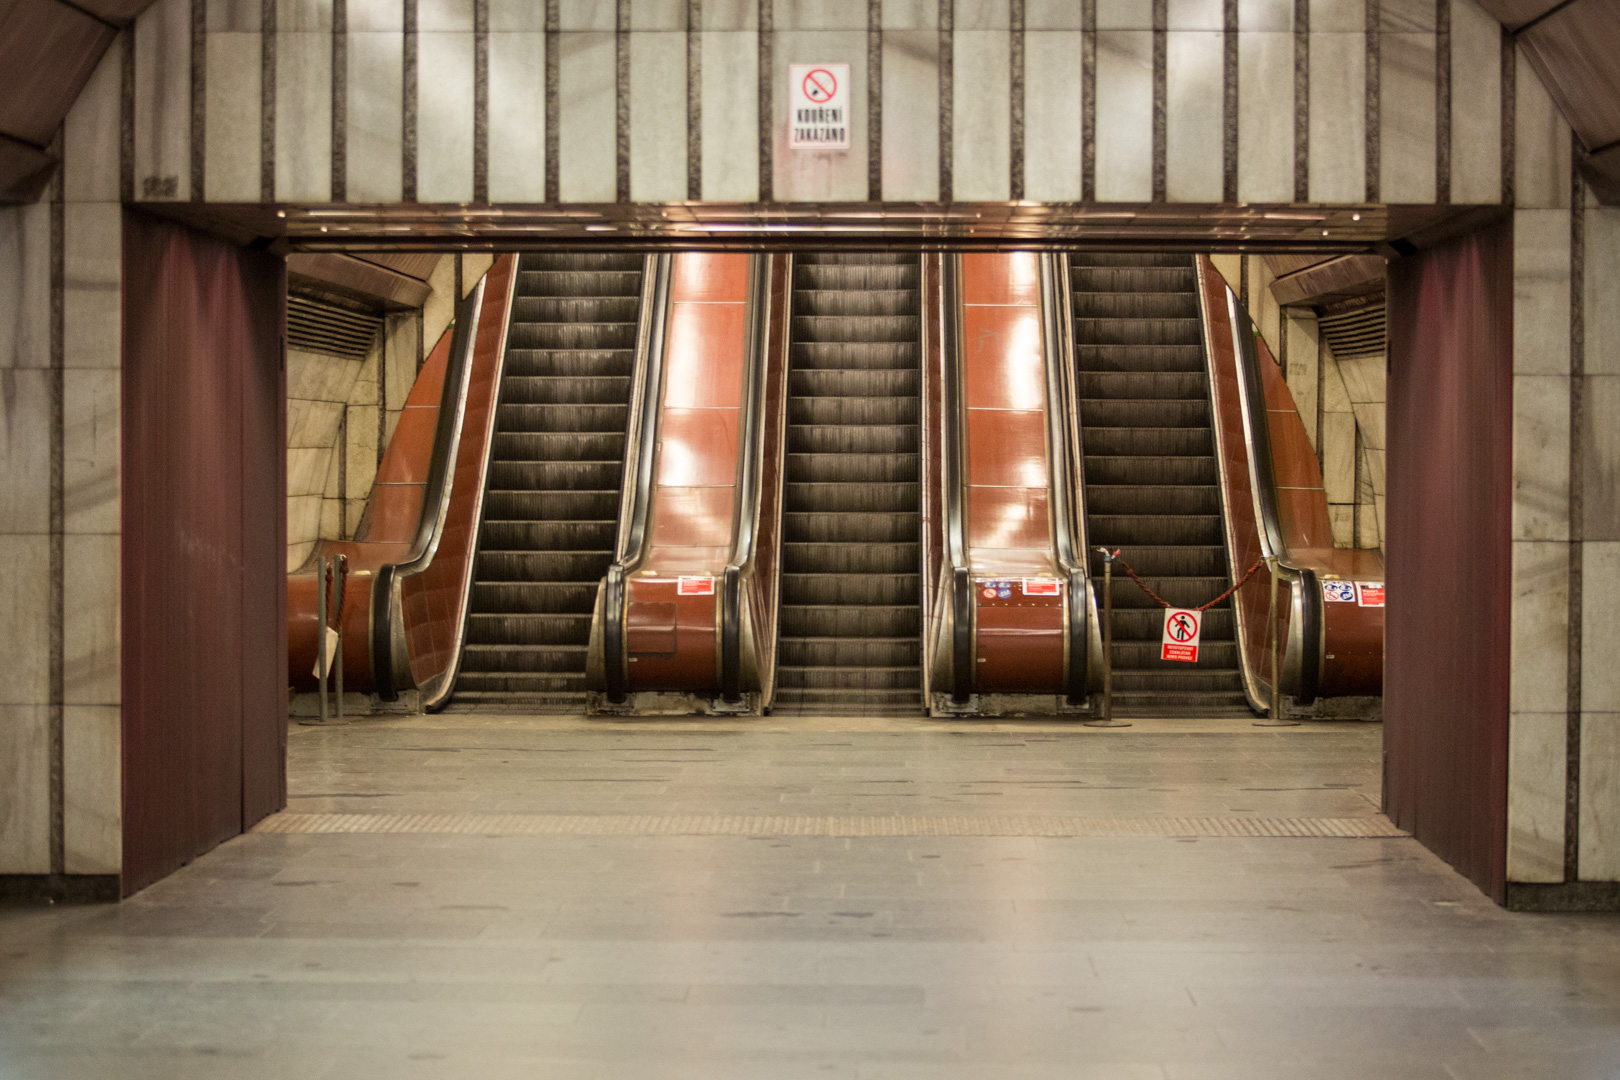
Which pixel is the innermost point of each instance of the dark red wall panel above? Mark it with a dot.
(204, 497)
(1450, 427)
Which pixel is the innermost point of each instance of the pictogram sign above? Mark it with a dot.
(694, 586)
(1339, 592)
(818, 106)
(1182, 630)
(1370, 593)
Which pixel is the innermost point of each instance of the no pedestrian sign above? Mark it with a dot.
(1182, 629)
(818, 106)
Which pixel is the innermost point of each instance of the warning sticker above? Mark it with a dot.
(1370, 593)
(818, 106)
(1339, 592)
(1182, 629)
(694, 586)
(1037, 587)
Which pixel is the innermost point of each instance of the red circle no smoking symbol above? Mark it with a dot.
(1183, 627)
(820, 85)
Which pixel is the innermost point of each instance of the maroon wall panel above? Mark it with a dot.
(204, 497)
(1450, 426)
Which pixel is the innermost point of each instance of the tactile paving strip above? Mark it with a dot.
(764, 825)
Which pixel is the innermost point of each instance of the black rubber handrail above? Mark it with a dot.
(750, 461)
(952, 435)
(435, 494)
(1306, 625)
(1068, 524)
(641, 445)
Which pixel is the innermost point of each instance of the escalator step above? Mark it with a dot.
(542, 567)
(564, 390)
(1135, 305)
(582, 418)
(864, 356)
(853, 468)
(1110, 499)
(571, 363)
(1150, 469)
(844, 498)
(1144, 412)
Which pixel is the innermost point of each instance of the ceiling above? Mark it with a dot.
(48, 48)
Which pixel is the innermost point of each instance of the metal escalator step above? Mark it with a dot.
(1137, 331)
(905, 677)
(1136, 655)
(1135, 305)
(1182, 592)
(869, 620)
(843, 558)
(555, 475)
(852, 439)
(846, 328)
(579, 283)
(1091, 357)
(861, 498)
(1187, 385)
(581, 262)
(886, 589)
(1186, 680)
(534, 597)
(524, 659)
(496, 628)
(1147, 441)
(1127, 530)
(1132, 278)
(548, 535)
(1144, 412)
(849, 300)
(878, 527)
(853, 355)
(1129, 259)
(558, 446)
(855, 258)
(501, 505)
(866, 276)
(570, 363)
(595, 336)
(1153, 499)
(1179, 560)
(560, 390)
(576, 310)
(853, 410)
(604, 418)
(853, 468)
(850, 652)
(542, 566)
(1149, 469)
(1147, 625)
(877, 383)
(474, 686)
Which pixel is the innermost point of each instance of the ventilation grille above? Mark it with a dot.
(316, 326)
(1357, 332)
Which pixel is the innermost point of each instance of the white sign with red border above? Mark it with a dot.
(694, 586)
(1370, 593)
(818, 106)
(1037, 587)
(1182, 630)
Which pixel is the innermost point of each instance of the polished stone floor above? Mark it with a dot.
(653, 949)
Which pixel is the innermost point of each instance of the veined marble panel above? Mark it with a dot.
(1541, 287)
(789, 15)
(1275, 16)
(25, 451)
(1342, 520)
(93, 285)
(91, 134)
(92, 411)
(376, 107)
(587, 153)
(1600, 794)
(232, 118)
(304, 16)
(90, 627)
(235, 16)
(25, 794)
(163, 101)
(1476, 104)
(515, 16)
(1600, 459)
(1339, 456)
(1338, 116)
(313, 423)
(911, 115)
(444, 119)
(1337, 16)
(360, 459)
(1370, 422)
(306, 470)
(1407, 116)
(1052, 126)
(447, 16)
(1197, 15)
(313, 376)
(583, 15)
(1541, 457)
(380, 16)
(1194, 140)
(1038, 14)
(657, 116)
(1541, 144)
(981, 122)
(1600, 627)
(1602, 286)
(25, 286)
(731, 15)
(658, 15)
(730, 113)
(517, 117)
(1124, 15)
(1124, 116)
(1364, 378)
(92, 789)
(1539, 630)
(304, 117)
(1406, 16)
(25, 584)
(303, 523)
(820, 175)
(1304, 360)
(1536, 767)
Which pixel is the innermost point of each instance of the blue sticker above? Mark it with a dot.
(1004, 593)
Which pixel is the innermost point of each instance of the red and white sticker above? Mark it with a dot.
(694, 586)
(1370, 593)
(818, 106)
(1037, 587)
(1182, 629)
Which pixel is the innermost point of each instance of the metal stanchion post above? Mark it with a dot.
(1106, 720)
(340, 569)
(320, 631)
(1274, 717)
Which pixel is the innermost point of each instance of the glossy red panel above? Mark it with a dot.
(1005, 517)
(1304, 518)
(666, 560)
(1020, 648)
(1006, 449)
(1003, 367)
(690, 664)
(697, 448)
(1293, 459)
(703, 355)
(1001, 278)
(649, 626)
(429, 386)
(396, 511)
(410, 449)
(692, 517)
(1012, 562)
(710, 277)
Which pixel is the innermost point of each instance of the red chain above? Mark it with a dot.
(1244, 580)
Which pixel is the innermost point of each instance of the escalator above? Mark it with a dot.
(551, 507)
(1152, 485)
(850, 606)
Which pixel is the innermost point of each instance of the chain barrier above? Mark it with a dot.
(1242, 581)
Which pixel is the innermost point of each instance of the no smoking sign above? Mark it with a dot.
(1182, 629)
(818, 106)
